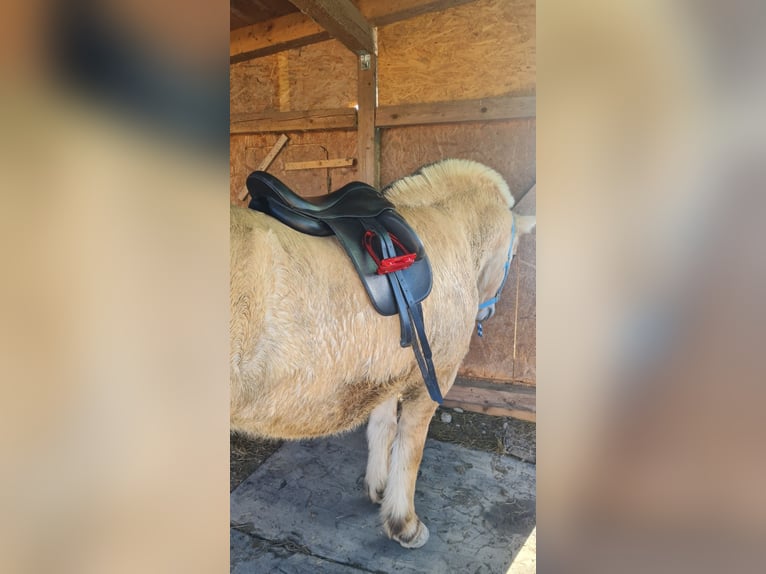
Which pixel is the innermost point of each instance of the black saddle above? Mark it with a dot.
(386, 252)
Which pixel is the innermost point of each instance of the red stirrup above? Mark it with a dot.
(391, 264)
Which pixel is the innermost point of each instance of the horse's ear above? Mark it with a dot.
(525, 223)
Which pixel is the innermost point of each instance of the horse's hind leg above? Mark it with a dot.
(398, 509)
(380, 434)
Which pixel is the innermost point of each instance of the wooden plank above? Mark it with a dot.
(296, 30)
(264, 38)
(485, 109)
(266, 162)
(333, 119)
(499, 399)
(280, 143)
(368, 140)
(306, 182)
(319, 164)
(342, 20)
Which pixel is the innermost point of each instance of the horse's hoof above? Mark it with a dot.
(415, 540)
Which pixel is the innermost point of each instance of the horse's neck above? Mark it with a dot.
(444, 227)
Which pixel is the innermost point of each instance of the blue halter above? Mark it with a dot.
(496, 298)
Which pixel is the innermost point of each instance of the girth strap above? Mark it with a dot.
(410, 314)
(395, 280)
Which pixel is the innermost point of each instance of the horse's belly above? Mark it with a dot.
(287, 412)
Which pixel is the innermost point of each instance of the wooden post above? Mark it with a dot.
(368, 141)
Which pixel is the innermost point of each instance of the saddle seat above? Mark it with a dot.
(353, 214)
(354, 199)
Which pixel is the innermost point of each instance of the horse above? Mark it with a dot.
(311, 357)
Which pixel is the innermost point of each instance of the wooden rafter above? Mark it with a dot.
(383, 13)
(283, 33)
(343, 21)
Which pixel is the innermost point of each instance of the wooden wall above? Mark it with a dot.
(479, 49)
(317, 76)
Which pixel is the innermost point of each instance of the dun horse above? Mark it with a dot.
(310, 356)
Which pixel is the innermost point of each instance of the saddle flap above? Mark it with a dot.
(349, 232)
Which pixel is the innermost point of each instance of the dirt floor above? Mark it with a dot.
(498, 435)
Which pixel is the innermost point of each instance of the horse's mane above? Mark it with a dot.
(445, 180)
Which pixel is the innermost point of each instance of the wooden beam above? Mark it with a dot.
(283, 33)
(296, 30)
(383, 13)
(501, 399)
(368, 140)
(319, 164)
(500, 108)
(264, 165)
(300, 121)
(342, 20)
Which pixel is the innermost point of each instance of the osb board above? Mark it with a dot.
(507, 350)
(247, 151)
(525, 343)
(318, 76)
(253, 85)
(309, 182)
(480, 49)
(507, 146)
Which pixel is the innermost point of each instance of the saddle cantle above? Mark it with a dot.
(368, 227)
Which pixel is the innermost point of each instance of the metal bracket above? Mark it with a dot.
(364, 61)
